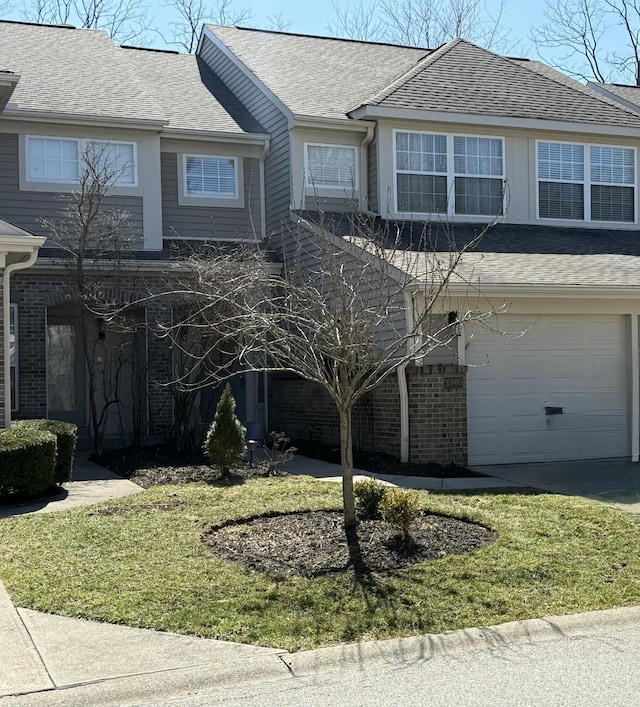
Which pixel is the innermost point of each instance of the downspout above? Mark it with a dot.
(6, 317)
(364, 168)
(402, 382)
(263, 190)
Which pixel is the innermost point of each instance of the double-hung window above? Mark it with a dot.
(586, 182)
(331, 166)
(449, 174)
(58, 160)
(211, 177)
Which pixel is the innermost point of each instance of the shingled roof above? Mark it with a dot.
(82, 73)
(503, 254)
(463, 78)
(317, 76)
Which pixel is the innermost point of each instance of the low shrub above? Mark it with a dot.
(27, 462)
(67, 438)
(369, 494)
(225, 444)
(400, 507)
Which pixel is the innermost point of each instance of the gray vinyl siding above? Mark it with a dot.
(329, 204)
(272, 121)
(26, 209)
(179, 221)
(372, 165)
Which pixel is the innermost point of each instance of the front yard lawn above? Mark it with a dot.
(141, 561)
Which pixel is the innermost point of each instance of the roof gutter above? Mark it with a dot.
(320, 123)
(217, 135)
(380, 112)
(39, 116)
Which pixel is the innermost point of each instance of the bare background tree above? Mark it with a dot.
(192, 14)
(126, 21)
(336, 315)
(422, 23)
(592, 39)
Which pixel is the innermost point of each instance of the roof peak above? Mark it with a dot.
(37, 24)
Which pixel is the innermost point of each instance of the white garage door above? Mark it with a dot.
(558, 392)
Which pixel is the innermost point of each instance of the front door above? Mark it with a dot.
(65, 370)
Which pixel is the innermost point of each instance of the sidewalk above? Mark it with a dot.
(49, 660)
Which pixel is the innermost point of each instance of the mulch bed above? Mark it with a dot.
(314, 543)
(164, 464)
(160, 465)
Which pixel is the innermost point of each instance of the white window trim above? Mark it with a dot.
(450, 174)
(15, 404)
(330, 189)
(50, 185)
(587, 183)
(207, 200)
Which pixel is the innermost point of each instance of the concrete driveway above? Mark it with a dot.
(613, 481)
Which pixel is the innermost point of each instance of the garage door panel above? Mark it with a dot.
(576, 363)
(607, 368)
(566, 366)
(523, 367)
(608, 333)
(564, 332)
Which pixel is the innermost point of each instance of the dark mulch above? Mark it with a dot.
(314, 543)
(381, 463)
(164, 464)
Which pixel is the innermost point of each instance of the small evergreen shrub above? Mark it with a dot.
(67, 438)
(400, 507)
(369, 494)
(27, 462)
(225, 444)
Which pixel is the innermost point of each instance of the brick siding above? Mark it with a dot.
(437, 414)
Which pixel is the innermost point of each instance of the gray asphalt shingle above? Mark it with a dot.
(461, 77)
(81, 72)
(317, 76)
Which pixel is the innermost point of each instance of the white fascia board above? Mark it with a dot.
(81, 119)
(544, 291)
(373, 112)
(206, 32)
(21, 244)
(310, 121)
(219, 136)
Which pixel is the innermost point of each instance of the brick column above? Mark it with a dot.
(160, 401)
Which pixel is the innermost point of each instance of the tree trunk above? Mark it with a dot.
(346, 458)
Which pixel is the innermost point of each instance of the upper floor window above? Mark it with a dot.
(586, 182)
(213, 177)
(332, 166)
(62, 160)
(430, 167)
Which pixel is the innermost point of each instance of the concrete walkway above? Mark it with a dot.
(56, 661)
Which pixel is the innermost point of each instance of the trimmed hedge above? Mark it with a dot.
(27, 462)
(67, 437)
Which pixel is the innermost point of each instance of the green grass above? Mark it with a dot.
(148, 568)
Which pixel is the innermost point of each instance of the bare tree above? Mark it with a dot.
(193, 14)
(423, 23)
(126, 21)
(344, 312)
(93, 237)
(592, 39)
